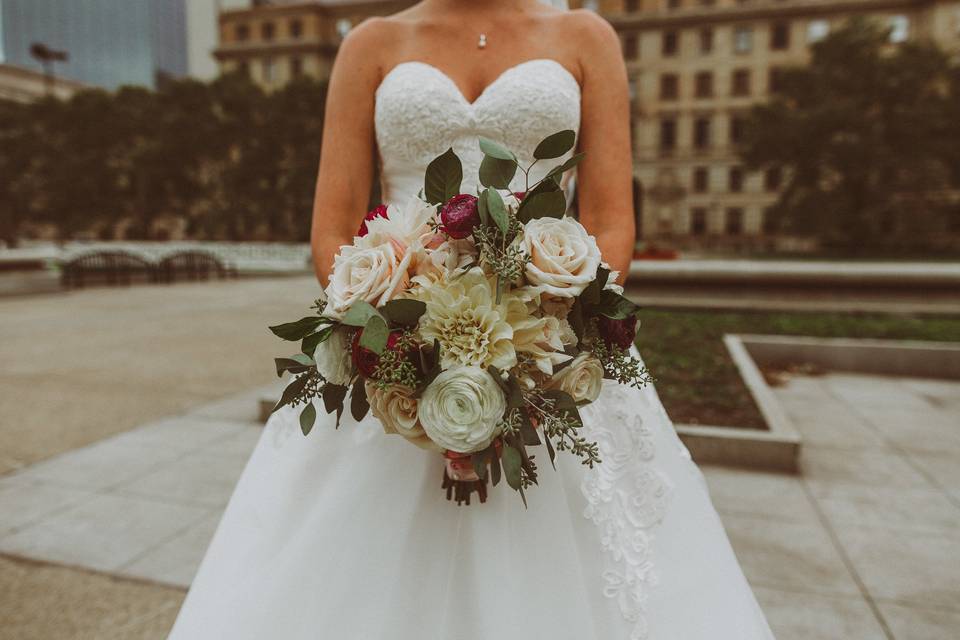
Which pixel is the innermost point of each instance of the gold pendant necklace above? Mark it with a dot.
(482, 42)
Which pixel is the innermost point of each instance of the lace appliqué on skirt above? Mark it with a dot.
(626, 499)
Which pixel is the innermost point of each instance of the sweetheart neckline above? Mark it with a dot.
(486, 89)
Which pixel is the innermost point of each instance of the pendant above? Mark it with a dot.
(482, 42)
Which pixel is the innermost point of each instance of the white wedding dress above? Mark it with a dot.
(346, 535)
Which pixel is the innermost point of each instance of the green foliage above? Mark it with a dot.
(232, 161)
(443, 177)
(867, 138)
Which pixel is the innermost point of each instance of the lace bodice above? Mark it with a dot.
(420, 112)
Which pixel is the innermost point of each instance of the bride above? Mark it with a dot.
(346, 535)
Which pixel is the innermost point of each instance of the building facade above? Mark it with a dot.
(108, 42)
(696, 68)
(275, 42)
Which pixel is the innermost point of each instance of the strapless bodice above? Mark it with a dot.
(420, 113)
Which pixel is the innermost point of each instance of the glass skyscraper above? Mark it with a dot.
(109, 42)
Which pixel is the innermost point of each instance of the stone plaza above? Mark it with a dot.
(130, 413)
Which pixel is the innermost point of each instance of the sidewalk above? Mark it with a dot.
(861, 546)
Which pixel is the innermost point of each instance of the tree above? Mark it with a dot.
(867, 138)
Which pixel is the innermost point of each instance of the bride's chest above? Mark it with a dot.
(420, 111)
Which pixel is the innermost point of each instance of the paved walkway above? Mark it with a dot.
(860, 546)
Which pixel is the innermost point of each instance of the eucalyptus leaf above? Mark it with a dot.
(307, 417)
(294, 364)
(482, 210)
(294, 331)
(570, 163)
(495, 149)
(497, 209)
(359, 314)
(497, 173)
(375, 335)
(333, 395)
(443, 177)
(359, 405)
(404, 311)
(615, 306)
(511, 460)
(309, 344)
(291, 391)
(575, 318)
(495, 469)
(555, 145)
(549, 204)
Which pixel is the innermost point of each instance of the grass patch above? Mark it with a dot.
(697, 380)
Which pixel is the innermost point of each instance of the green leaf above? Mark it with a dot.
(443, 177)
(575, 318)
(615, 306)
(555, 145)
(482, 210)
(309, 345)
(552, 204)
(497, 173)
(591, 293)
(480, 460)
(528, 433)
(495, 470)
(333, 395)
(404, 311)
(294, 364)
(375, 335)
(571, 162)
(359, 314)
(511, 460)
(497, 210)
(495, 149)
(551, 452)
(307, 417)
(297, 330)
(359, 405)
(564, 402)
(291, 391)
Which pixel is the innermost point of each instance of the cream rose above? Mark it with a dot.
(563, 256)
(396, 408)
(461, 408)
(372, 274)
(333, 358)
(582, 378)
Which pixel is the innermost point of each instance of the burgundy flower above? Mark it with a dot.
(620, 333)
(365, 360)
(520, 195)
(459, 216)
(378, 212)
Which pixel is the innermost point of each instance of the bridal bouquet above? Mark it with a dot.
(472, 325)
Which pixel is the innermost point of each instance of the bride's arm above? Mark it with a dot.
(604, 178)
(347, 153)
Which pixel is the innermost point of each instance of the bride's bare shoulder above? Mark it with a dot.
(593, 39)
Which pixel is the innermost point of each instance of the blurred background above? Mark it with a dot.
(797, 200)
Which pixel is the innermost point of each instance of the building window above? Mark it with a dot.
(701, 133)
(772, 179)
(740, 85)
(701, 180)
(780, 36)
(704, 84)
(743, 40)
(698, 221)
(296, 67)
(708, 3)
(631, 6)
(267, 30)
(817, 30)
(669, 86)
(631, 47)
(343, 27)
(706, 40)
(268, 70)
(296, 28)
(899, 28)
(670, 41)
(668, 135)
(736, 180)
(736, 130)
(243, 32)
(674, 4)
(775, 80)
(734, 222)
(244, 68)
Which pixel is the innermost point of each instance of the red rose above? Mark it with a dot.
(365, 360)
(618, 332)
(520, 195)
(459, 216)
(379, 212)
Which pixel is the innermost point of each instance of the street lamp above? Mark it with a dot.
(47, 56)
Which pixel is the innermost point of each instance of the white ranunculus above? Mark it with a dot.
(582, 378)
(563, 256)
(372, 274)
(396, 408)
(333, 358)
(461, 408)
